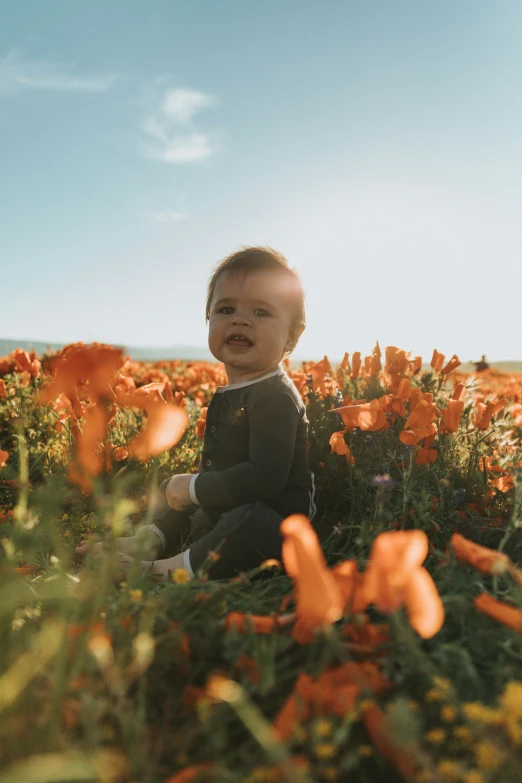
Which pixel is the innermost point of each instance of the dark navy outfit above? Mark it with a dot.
(253, 473)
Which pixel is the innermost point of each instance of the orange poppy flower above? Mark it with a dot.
(459, 393)
(489, 561)
(320, 369)
(240, 622)
(397, 361)
(247, 666)
(402, 394)
(318, 598)
(416, 396)
(365, 415)
(453, 363)
(91, 365)
(367, 635)
(395, 577)
(356, 365)
(334, 692)
(180, 399)
(166, 424)
(4, 456)
(426, 456)
(416, 365)
(120, 453)
(350, 583)
(24, 362)
(372, 364)
(201, 423)
(339, 446)
(504, 483)
(381, 734)
(88, 460)
(344, 369)
(63, 407)
(437, 360)
(451, 416)
(500, 611)
(486, 412)
(3, 390)
(153, 391)
(420, 423)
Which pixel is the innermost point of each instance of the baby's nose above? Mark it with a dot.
(240, 318)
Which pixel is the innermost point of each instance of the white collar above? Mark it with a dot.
(230, 386)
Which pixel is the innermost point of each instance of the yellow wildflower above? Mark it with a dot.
(513, 729)
(511, 699)
(323, 727)
(180, 576)
(462, 733)
(449, 770)
(435, 694)
(443, 684)
(476, 711)
(448, 713)
(325, 750)
(487, 755)
(473, 777)
(435, 736)
(135, 595)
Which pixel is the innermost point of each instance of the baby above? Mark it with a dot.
(254, 470)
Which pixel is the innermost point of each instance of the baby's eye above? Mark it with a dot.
(261, 312)
(227, 307)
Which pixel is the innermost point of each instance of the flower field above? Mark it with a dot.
(387, 646)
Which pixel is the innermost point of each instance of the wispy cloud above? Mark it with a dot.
(182, 105)
(172, 135)
(17, 73)
(170, 216)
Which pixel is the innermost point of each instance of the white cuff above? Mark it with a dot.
(158, 533)
(186, 563)
(192, 490)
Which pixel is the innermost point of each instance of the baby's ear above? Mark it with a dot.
(292, 341)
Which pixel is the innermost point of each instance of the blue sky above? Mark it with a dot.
(376, 144)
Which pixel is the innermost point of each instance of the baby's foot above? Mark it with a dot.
(161, 568)
(158, 569)
(147, 543)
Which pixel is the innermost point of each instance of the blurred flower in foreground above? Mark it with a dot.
(85, 372)
(394, 578)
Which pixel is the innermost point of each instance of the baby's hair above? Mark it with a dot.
(250, 259)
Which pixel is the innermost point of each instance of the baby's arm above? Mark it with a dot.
(273, 421)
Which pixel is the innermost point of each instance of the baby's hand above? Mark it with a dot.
(177, 491)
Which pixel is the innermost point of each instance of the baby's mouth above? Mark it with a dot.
(239, 341)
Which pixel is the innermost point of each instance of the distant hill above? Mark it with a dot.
(139, 353)
(191, 352)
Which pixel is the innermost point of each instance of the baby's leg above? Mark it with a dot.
(243, 538)
(199, 525)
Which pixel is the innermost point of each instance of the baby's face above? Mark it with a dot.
(249, 324)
